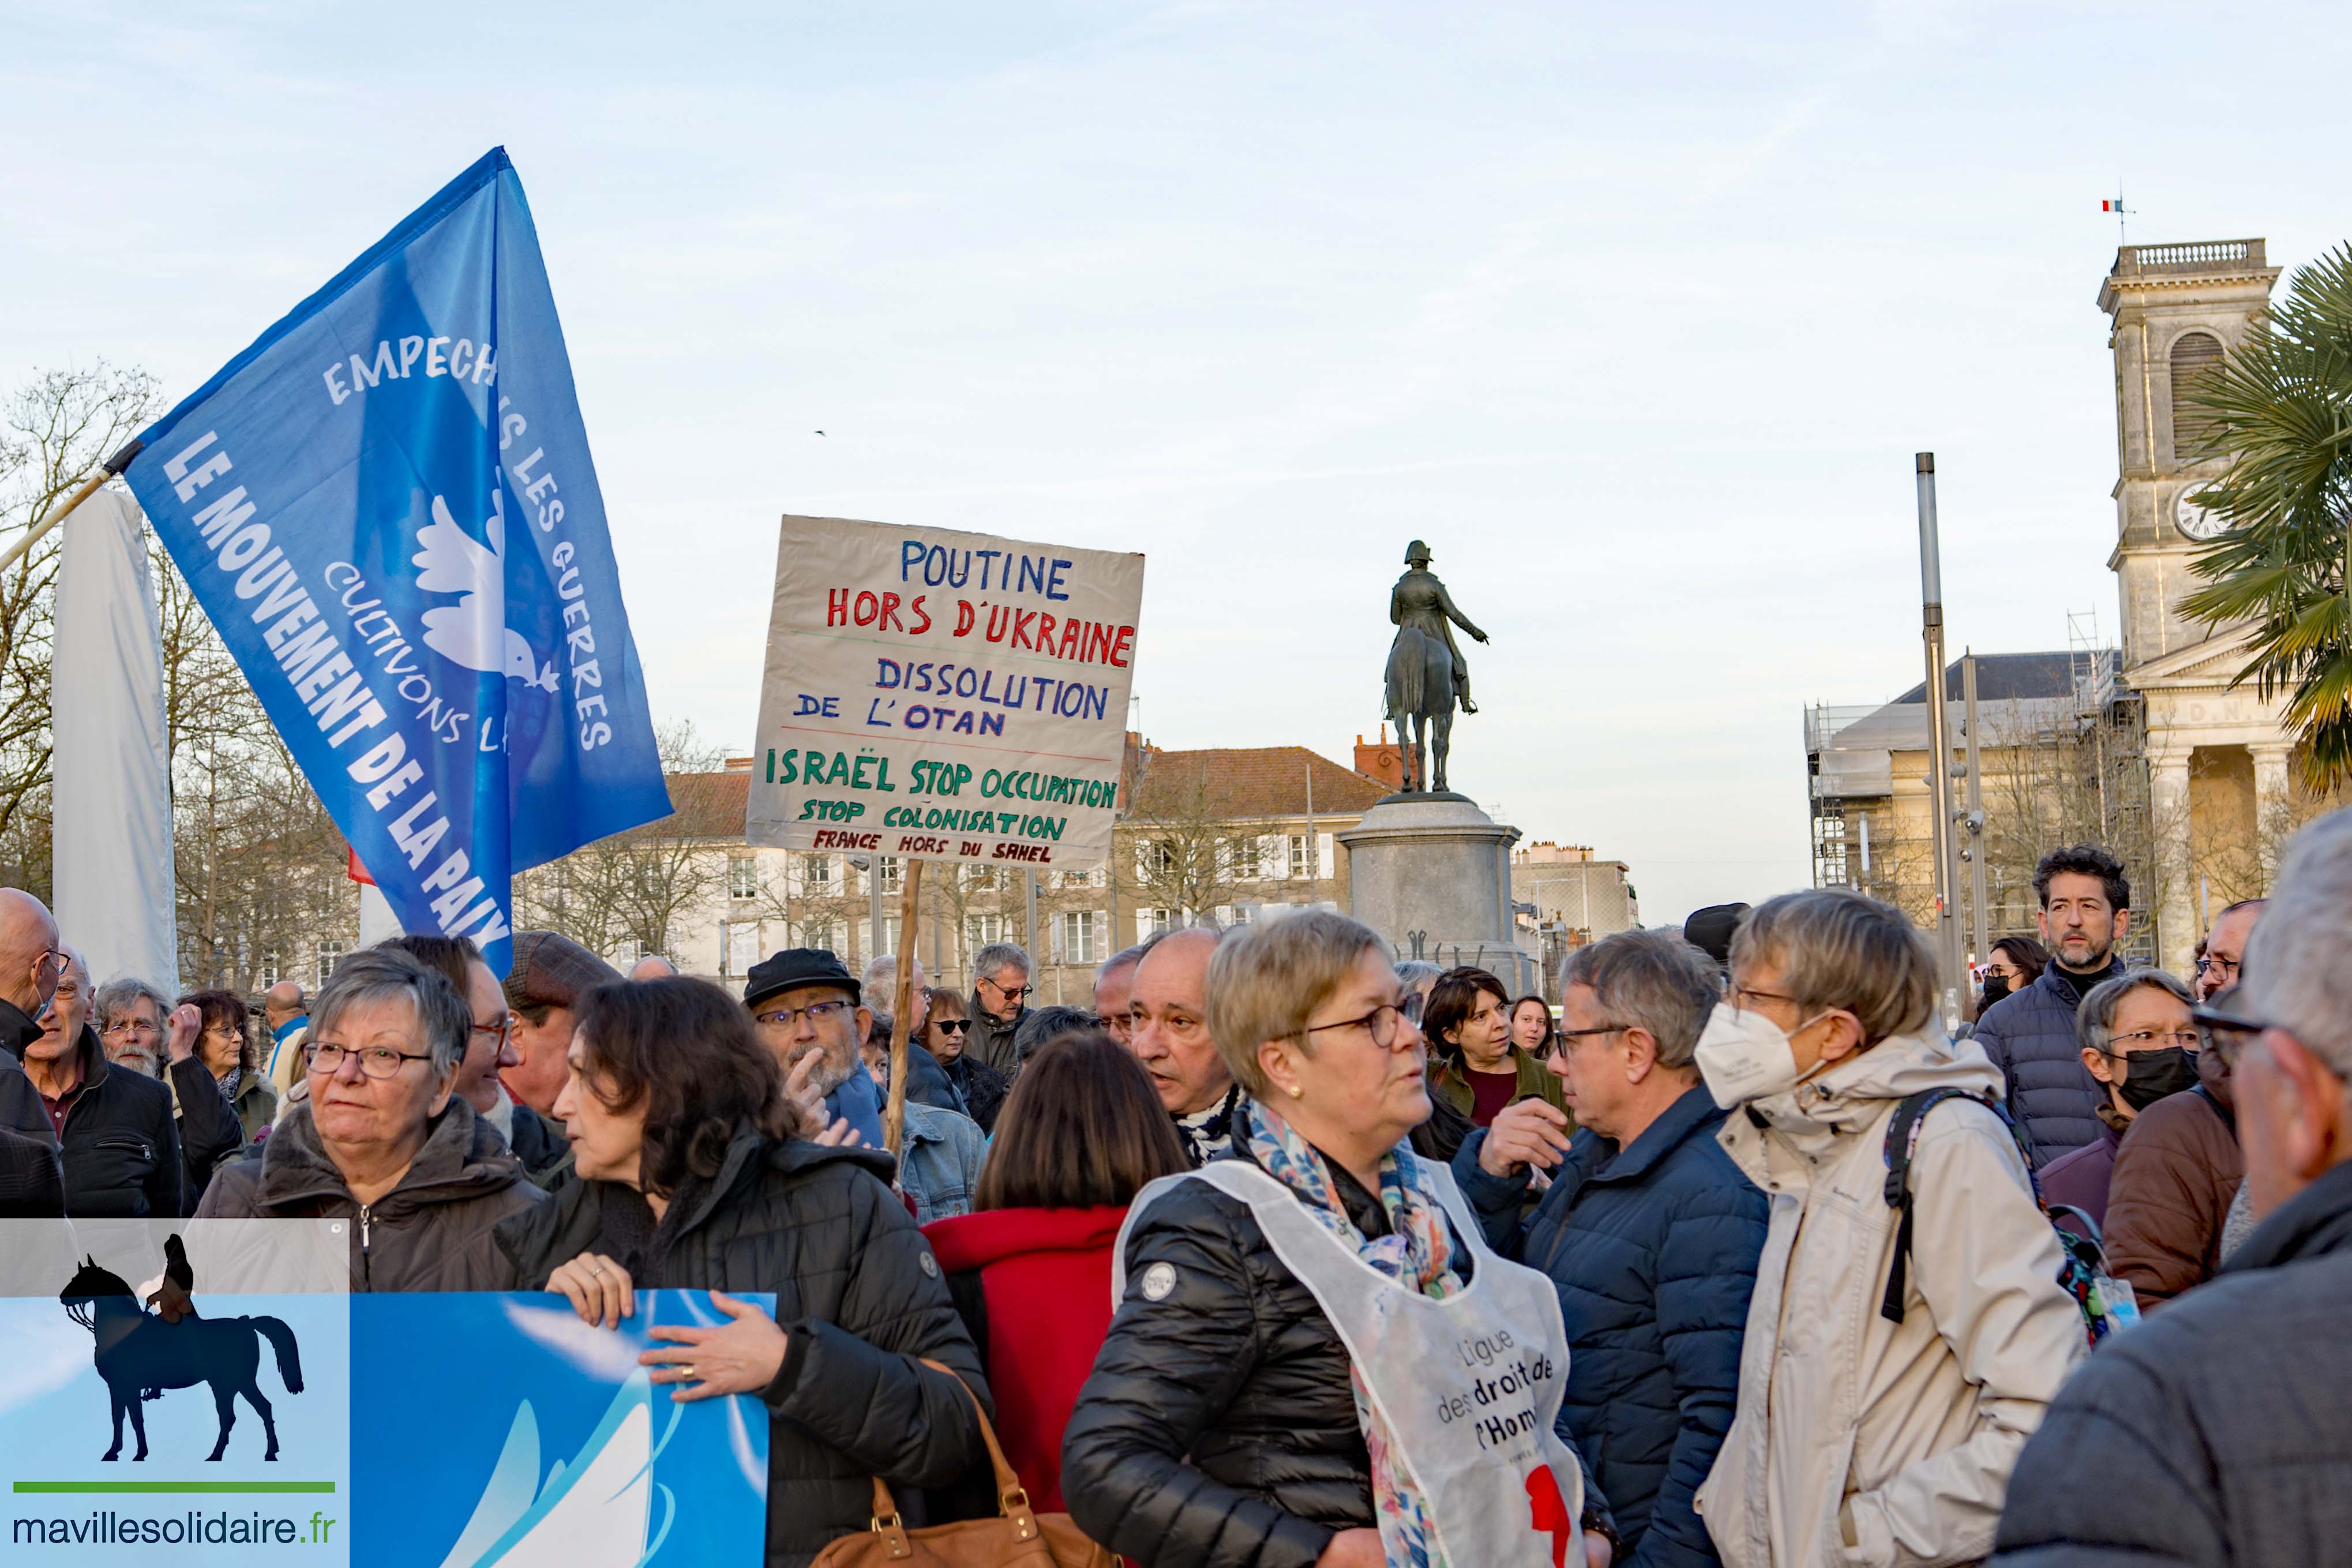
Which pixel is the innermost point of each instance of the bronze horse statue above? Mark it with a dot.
(137, 1351)
(1426, 676)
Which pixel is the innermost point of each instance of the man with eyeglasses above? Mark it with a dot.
(31, 1181)
(114, 1126)
(2229, 1414)
(1648, 1231)
(544, 1146)
(807, 1006)
(999, 995)
(2224, 946)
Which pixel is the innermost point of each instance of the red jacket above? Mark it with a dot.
(1044, 1306)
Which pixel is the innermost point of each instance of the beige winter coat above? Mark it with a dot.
(1858, 1441)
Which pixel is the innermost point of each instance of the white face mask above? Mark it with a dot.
(1746, 1056)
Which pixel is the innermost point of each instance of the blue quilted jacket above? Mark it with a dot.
(1653, 1249)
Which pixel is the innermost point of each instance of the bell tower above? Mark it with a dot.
(2216, 755)
(2177, 309)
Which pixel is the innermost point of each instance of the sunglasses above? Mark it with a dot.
(952, 1025)
(2225, 1037)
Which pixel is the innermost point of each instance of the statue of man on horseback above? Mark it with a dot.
(1426, 676)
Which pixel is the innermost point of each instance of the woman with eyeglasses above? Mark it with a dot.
(946, 1029)
(383, 1140)
(2138, 1042)
(1314, 1358)
(2178, 1174)
(224, 1042)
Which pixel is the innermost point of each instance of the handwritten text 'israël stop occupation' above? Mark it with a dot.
(980, 607)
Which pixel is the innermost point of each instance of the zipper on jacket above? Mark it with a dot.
(366, 1276)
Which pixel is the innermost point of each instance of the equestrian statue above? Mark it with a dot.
(1426, 677)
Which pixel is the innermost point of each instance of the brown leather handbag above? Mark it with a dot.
(1019, 1535)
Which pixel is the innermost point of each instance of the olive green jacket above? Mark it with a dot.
(1536, 1082)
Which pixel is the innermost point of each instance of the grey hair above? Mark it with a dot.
(1658, 981)
(119, 993)
(1124, 957)
(883, 966)
(2299, 962)
(1266, 981)
(2094, 1020)
(1413, 973)
(383, 973)
(1838, 949)
(998, 955)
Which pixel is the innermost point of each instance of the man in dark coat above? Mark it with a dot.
(2030, 1035)
(115, 1132)
(2218, 1434)
(30, 1178)
(1649, 1231)
(1000, 997)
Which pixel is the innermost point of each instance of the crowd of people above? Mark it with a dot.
(1285, 1254)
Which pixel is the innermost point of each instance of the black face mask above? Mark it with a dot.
(2149, 1076)
(1996, 986)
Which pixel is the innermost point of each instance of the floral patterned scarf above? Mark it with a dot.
(1418, 1252)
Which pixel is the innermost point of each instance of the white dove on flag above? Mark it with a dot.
(473, 632)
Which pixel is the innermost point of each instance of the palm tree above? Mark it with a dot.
(2280, 408)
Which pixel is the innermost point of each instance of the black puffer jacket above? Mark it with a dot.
(860, 1299)
(982, 1088)
(2030, 1037)
(121, 1151)
(1217, 1429)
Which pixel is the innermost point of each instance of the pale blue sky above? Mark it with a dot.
(1635, 313)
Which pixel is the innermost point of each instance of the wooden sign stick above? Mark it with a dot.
(902, 1017)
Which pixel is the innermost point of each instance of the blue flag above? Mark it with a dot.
(387, 507)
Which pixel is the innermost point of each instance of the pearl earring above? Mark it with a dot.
(1295, 1091)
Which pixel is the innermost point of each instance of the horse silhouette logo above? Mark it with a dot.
(143, 1355)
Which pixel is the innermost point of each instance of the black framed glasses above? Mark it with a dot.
(816, 1012)
(952, 1025)
(375, 1061)
(2227, 968)
(2225, 1037)
(1382, 1023)
(1565, 1040)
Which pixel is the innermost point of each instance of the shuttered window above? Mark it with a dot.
(2193, 356)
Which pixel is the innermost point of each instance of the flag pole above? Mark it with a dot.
(902, 1020)
(89, 487)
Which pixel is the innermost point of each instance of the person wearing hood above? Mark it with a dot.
(2136, 1041)
(1885, 1390)
(383, 1141)
(2030, 1035)
(691, 1175)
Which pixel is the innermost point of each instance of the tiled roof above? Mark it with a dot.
(1244, 783)
(1235, 782)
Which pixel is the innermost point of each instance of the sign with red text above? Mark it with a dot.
(943, 696)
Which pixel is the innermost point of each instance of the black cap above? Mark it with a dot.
(1709, 929)
(793, 967)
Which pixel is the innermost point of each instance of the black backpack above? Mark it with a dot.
(2081, 1274)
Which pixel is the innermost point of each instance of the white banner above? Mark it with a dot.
(943, 696)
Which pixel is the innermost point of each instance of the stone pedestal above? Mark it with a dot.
(1433, 874)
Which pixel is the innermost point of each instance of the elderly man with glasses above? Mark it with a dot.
(2231, 1412)
(1648, 1231)
(113, 1124)
(810, 1014)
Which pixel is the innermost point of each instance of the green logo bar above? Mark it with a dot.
(152, 1486)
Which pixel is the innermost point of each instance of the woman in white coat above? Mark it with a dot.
(1880, 1414)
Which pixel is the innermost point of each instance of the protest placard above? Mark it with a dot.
(943, 696)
